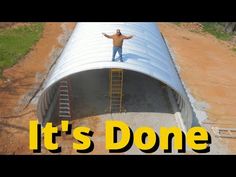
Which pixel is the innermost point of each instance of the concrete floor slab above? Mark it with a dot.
(145, 100)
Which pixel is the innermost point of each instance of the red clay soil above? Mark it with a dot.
(207, 67)
(19, 81)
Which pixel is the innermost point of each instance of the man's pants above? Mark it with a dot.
(115, 50)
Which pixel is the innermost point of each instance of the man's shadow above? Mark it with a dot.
(131, 56)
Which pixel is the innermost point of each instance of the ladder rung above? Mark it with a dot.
(115, 101)
(63, 108)
(64, 94)
(63, 86)
(64, 99)
(63, 90)
(66, 112)
(64, 104)
(116, 70)
(65, 116)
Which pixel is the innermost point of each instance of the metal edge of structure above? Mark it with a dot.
(87, 49)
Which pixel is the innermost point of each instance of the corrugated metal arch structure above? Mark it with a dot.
(87, 49)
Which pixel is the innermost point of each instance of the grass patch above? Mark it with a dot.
(217, 30)
(234, 49)
(17, 42)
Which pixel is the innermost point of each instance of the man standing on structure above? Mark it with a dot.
(118, 39)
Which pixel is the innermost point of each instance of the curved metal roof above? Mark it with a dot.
(88, 49)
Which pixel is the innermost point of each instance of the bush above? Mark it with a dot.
(217, 30)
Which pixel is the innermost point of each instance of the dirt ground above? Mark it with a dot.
(207, 67)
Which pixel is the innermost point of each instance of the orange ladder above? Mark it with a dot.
(116, 90)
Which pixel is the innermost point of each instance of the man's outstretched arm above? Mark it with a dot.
(108, 36)
(128, 37)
